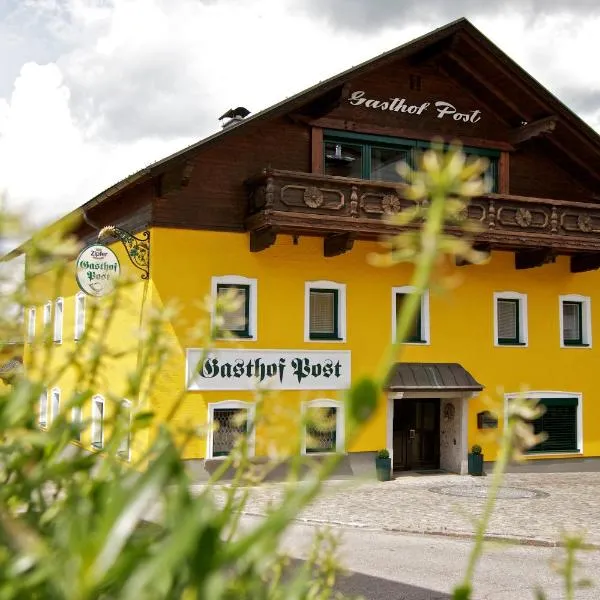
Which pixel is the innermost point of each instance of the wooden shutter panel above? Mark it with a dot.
(323, 313)
(560, 423)
(572, 322)
(415, 333)
(508, 320)
(236, 321)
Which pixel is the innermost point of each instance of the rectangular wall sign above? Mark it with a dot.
(232, 369)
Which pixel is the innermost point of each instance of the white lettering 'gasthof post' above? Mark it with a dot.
(444, 110)
(97, 270)
(234, 369)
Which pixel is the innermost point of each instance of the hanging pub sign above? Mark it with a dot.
(97, 269)
(233, 369)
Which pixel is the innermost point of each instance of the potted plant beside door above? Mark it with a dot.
(475, 460)
(383, 465)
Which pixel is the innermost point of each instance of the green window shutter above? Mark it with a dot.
(321, 430)
(324, 314)
(236, 322)
(229, 424)
(415, 333)
(572, 323)
(507, 312)
(559, 422)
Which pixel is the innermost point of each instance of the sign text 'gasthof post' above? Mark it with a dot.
(232, 369)
(97, 270)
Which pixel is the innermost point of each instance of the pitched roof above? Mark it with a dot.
(459, 27)
(430, 377)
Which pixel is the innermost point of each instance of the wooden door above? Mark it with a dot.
(416, 434)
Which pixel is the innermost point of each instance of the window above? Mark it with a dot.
(510, 319)
(98, 422)
(325, 311)
(31, 324)
(79, 315)
(375, 157)
(43, 409)
(227, 422)
(240, 323)
(77, 420)
(124, 450)
(323, 427)
(55, 403)
(562, 422)
(47, 315)
(58, 320)
(420, 330)
(575, 321)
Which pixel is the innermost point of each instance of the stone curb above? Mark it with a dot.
(490, 537)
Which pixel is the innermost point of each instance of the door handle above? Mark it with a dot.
(411, 434)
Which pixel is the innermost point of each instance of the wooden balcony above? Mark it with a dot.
(342, 210)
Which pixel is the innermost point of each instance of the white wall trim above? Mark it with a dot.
(523, 321)
(47, 315)
(79, 301)
(425, 318)
(253, 309)
(54, 403)
(31, 324)
(43, 409)
(340, 423)
(326, 285)
(59, 317)
(586, 316)
(250, 407)
(98, 423)
(538, 394)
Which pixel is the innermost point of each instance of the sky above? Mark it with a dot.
(93, 90)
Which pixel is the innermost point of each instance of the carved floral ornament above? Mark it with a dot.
(523, 217)
(313, 197)
(584, 222)
(390, 204)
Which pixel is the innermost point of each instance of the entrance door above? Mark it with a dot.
(416, 434)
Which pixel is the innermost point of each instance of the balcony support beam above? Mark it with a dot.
(337, 244)
(585, 261)
(262, 239)
(529, 259)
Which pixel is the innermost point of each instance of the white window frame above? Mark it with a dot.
(78, 330)
(54, 403)
(252, 312)
(77, 419)
(425, 319)
(523, 322)
(32, 313)
(47, 317)
(59, 317)
(250, 407)
(540, 394)
(586, 319)
(43, 410)
(96, 422)
(125, 452)
(340, 425)
(341, 293)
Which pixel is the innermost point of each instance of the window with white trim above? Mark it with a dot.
(561, 422)
(240, 322)
(227, 421)
(124, 450)
(47, 315)
(55, 403)
(420, 331)
(77, 420)
(323, 430)
(31, 324)
(43, 409)
(575, 321)
(58, 320)
(98, 422)
(510, 319)
(324, 311)
(79, 315)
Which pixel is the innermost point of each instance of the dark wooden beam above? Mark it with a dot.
(262, 239)
(534, 129)
(316, 140)
(504, 173)
(528, 259)
(585, 261)
(336, 244)
(478, 247)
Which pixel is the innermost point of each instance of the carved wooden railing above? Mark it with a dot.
(308, 203)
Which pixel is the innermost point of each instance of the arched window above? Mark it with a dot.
(323, 430)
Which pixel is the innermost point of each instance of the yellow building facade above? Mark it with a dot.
(285, 208)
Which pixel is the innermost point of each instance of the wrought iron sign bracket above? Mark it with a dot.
(137, 248)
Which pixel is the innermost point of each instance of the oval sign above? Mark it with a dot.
(97, 270)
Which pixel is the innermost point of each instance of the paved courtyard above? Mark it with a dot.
(532, 507)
